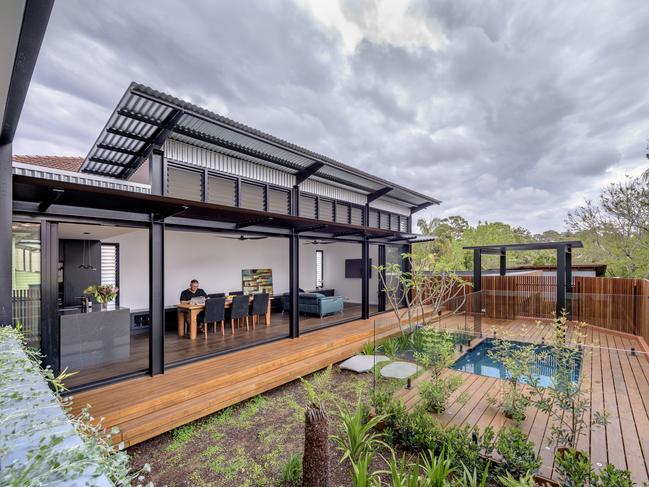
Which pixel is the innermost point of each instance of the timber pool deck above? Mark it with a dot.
(617, 381)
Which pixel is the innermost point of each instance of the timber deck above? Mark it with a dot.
(617, 381)
(145, 407)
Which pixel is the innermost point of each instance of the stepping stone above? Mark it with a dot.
(362, 363)
(399, 370)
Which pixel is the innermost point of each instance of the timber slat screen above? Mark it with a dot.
(613, 303)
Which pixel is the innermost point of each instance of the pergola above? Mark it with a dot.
(564, 262)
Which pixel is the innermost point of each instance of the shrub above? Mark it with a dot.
(293, 469)
(437, 469)
(610, 476)
(361, 475)
(471, 478)
(435, 394)
(464, 446)
(509, 481)
(438, 351)
(418, 431)
(518, 453)
(573, 467)
(401, 473)
(358, 436)
(368, 348)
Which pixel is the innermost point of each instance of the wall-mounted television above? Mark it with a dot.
(354, 268)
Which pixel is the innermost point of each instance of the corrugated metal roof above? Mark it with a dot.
(145, 117)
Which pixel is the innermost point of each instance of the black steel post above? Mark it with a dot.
(365, 278)
(561, 279)
(5, 234)
(294, 284)
(477, 292)
(50, 328)
(156, 296)
(382, 262)
(503, 263)
(295, 201)
(477, 270)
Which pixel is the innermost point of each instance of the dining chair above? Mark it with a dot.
(259, 307)
(214, 313)
(216, 295)
(235, 293)
(239, 311)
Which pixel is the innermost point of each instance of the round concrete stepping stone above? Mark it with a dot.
(399, 370)
(362, 363)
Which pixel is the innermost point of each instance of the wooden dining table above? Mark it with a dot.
(191, 311)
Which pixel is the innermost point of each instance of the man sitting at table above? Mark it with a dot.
(193, 291)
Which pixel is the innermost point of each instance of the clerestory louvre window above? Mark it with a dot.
(342, 213)
(184, 184)
(221, 191)
(252, 196)
(307, 206)
(326, 210)
(356, 215)
(279, 201)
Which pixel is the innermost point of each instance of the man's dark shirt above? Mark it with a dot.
(187, 295)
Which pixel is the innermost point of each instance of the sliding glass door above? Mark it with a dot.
(26, 279)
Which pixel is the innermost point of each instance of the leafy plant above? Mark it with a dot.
(103, 293)
(518, 361)
(471, 478)
(401, 473)
(358, 436)
(434, 395)
(368, 348)
(437, 470)
(293, 469)
(518, 453)
(509, 481)
(574, 468)
(390, 347)
(361, 475)
(438, 351)
(566, 402)
(610, 476)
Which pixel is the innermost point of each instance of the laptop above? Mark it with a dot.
(195, 301)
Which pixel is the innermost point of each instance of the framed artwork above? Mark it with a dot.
(257, 281)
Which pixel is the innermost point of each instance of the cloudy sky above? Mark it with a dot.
(505, 110)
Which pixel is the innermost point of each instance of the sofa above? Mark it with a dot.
(315, 304)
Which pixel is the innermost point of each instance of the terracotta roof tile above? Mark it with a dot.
(55, 162)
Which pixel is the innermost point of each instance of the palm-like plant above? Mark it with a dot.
(470, 478)
(402, 474)
(437, 470)
(358, 435)
(361, 475)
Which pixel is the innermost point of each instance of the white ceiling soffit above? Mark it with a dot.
(74, 231)
(11, 19)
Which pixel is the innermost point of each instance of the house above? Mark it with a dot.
(171, 192)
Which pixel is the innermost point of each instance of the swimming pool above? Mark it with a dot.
(477, 361)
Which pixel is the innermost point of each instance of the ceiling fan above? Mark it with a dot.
(319, 242)
(242, 238)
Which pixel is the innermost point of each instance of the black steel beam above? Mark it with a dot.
(307, 172)
(114, 148)
(423, 206)
(350, 232)
(257, 221)
(54, 195)
(378, 193)
(139, 117)
(171, 213)
(294, 284)
(50, 335)
(128, 135)
(36, 15)
(156, 297)
(6, 195)
(157, 172)
(108, 162)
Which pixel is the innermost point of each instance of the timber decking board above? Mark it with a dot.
(615, 379)
(145, 407)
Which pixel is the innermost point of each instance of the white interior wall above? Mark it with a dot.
(217, 264)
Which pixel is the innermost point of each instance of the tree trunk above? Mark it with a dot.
(315, 463)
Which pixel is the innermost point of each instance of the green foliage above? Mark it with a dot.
(437, 469)
(401, 473)
(368, 348)
(518, 453)
(509, 481)
(610, 476)
(438, 350)
(181, 436)
(318, 390)
(574, 468)
(293, 469)
(358, 436)
(471, 478)
(52, 459)
(361, 475)
(390, 347)
(434, 395)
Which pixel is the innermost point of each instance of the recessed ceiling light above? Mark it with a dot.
(86, 233)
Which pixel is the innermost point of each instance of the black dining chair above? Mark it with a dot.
(259, 307)
(239, 311)
(214, 313)
(216, 295)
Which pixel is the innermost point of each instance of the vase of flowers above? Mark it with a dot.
(103, 293)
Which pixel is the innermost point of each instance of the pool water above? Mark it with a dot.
(477, 361)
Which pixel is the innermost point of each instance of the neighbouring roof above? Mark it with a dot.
(62, 163)
(145, 118)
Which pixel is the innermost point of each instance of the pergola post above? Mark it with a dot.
(477, 270)
(477, 291)
(156, 270)
(365, 285)
(503, 263)
(561, 279)
(294, 284)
